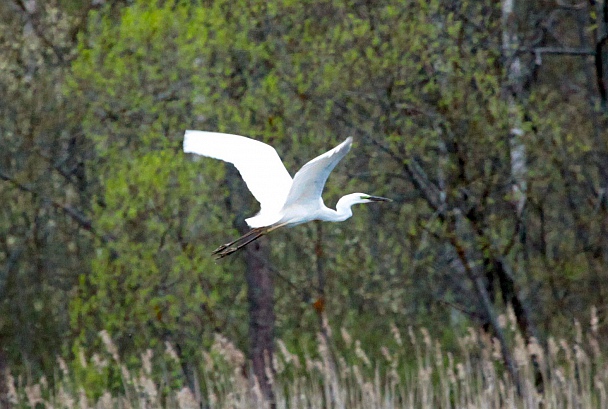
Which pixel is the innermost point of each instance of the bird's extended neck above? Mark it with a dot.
(343, 209)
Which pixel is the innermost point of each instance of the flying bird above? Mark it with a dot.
(284, 202)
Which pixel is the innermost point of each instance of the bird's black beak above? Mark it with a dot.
(378, 199)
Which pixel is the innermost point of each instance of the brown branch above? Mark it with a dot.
(471, 314)
(74, 214)
(557, 50)
(417, 177)
(39, 31)
(599, 71)
(489, 310)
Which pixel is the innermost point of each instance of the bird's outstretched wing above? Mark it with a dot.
(258, 163)
(308, 183)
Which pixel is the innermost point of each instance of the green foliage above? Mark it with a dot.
(408, 78)
(344, 71)
(151, 280)
(105, 213)
(40, 183)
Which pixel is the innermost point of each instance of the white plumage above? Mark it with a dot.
(283, 201)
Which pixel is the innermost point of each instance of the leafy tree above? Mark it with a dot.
(152, 280)
(441, 96)
(44, 228)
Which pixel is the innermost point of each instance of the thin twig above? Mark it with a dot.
(557, 50)
(74, 214)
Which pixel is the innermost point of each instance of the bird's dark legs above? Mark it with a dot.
(232, 243)
(249, 237)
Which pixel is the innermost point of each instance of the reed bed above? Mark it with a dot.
(411, 371)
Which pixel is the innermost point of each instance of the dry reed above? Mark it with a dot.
(419, 374)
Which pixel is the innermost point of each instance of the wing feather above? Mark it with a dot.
(258, 163)
(308, 183)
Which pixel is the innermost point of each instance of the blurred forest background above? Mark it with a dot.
(485, 121)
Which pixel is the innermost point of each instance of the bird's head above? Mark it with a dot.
(355, 198)
(343, 207)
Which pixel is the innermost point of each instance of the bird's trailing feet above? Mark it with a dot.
(235, 245)
(232, 243)
(229, 248)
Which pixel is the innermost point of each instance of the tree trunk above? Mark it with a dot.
(260, 294)
(4, 398)
(260, 289)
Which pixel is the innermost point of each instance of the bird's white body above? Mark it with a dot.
(284, 202)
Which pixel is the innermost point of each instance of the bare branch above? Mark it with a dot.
(557, 50)
(74, 214)
(31, 16)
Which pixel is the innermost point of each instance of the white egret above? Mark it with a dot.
(284, 202)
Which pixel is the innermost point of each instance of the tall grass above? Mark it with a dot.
(411, 371)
